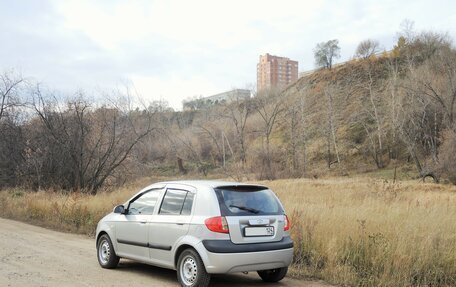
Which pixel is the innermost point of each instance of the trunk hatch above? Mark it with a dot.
(253, 213)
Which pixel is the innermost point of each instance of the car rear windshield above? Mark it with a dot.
(247, 201)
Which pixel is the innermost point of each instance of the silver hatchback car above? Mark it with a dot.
(199, 228)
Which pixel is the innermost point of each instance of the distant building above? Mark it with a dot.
(222, 98)
(274, 71)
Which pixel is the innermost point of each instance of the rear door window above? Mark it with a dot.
(188, 202)
(177, 202)
(247, 200)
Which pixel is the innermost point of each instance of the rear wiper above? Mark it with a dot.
(249, 209)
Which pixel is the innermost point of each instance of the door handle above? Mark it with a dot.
(180, 223)
(143, 222)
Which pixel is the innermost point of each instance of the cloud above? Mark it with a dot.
(174, 89)
(179, 49)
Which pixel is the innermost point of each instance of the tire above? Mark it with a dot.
(273, 275)
(106, 255)
(191, 271)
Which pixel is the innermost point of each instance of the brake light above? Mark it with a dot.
(286, 227)
(217, 224)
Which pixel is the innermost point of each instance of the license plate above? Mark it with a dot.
(259, 231)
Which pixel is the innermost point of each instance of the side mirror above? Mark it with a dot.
(119, 209)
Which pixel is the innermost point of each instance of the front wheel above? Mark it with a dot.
(191, 271)
(273, 275)
(106, 255)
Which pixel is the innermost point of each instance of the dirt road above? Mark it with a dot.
(34, 256)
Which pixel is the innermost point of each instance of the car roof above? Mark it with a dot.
(208, 183)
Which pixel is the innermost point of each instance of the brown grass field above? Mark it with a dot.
(347, 231)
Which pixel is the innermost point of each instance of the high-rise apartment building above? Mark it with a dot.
(274, 71)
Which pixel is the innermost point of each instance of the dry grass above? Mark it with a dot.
(365, 232)
(69, 212)
(354, 232)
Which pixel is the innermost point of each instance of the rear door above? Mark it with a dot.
(171, 223)
(253, 213)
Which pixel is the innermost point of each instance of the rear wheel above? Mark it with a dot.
(107, 257)
(191, 271)
(273, 275)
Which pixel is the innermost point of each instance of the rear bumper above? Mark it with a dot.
(226, 246)
(226, 257)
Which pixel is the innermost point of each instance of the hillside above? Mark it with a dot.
(391, 111)
(388, 114)
(338, 113)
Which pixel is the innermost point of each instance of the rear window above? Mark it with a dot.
(247, 201)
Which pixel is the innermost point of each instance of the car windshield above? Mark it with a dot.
(247, 200)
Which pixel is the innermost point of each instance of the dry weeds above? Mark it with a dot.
(353, 232)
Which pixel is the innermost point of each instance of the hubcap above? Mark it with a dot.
(104, 251)
(189, 270)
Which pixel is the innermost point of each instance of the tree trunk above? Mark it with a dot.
(180, 164)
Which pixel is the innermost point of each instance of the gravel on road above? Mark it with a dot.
(35, 256)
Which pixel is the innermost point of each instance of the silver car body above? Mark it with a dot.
(157, 239)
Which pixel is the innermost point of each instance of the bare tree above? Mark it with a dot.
(410, 127)
(326, 52)
(303, 111)
(10, 85)
(429, 102)
(12, 139)
(436, 81)
(331, 129)
(372, 112)
(269, 104)
(393, 111)
(407, 29)
(214, 133)
(160, 106)
(367, 48)
(238, 113)
(448, 155)
(294, 117)
(190, 148)
(84, 145)
(12, 146)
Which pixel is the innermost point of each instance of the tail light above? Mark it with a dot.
(286, 227)
(217, 224)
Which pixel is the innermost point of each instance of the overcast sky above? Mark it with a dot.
(174, 50)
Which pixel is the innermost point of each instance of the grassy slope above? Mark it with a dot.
(348, 85)
(350, 231)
